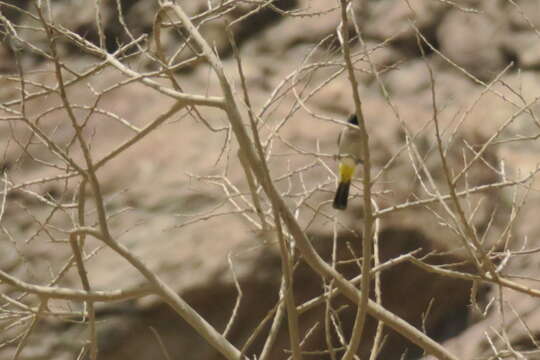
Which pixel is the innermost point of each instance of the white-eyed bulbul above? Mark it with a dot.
(350, 155)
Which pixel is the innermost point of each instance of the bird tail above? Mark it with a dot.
(342, 194)
(346, 171)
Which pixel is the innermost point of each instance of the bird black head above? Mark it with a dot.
(353, 119)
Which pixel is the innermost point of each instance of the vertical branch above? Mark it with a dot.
(367, 232)
(378, 339)
(469, 233)
(4, 196)
(77, 246)
(276, 323)
(87, 174)
(245, 165)
(328, 290)
(99, 24)
(234, 314)
(287, 270)
(74, 240)
(286, 262)
(253, 190)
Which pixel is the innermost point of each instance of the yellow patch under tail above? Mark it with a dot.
(346, 172)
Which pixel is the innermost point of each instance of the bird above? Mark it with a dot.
(350, 149)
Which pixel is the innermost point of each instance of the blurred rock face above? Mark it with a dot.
(478, 39)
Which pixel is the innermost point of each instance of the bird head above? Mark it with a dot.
(353, 119)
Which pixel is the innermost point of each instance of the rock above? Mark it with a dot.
(393, 19)
(409, 79)
(524, 47)
(472, 42)
(524, 15)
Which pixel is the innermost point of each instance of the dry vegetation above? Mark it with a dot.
(57, 152)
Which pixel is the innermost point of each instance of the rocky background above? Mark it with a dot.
(156, 187)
